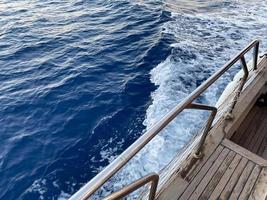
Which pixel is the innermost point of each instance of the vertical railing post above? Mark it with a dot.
(240, 88)
(208, 125)
(255, 58)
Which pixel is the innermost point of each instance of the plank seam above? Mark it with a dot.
(219, 168)
(248, 179)
(255, 183)
(232, 174)
(192, 179)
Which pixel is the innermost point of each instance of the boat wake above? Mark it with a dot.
(206, 36)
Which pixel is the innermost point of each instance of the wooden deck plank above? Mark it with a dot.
(204, 182)
(177, 185)
(259, 191)
(242, 181)
(186, 194)
(251, 142)
(248, 131)
(217, 176)
(234, 178)
(261, 133)
(263, 148)
(250, 182)
(225, 178)
(244, 152)
(203, 163)
(245, 124)
(263, 140)
(252, 130)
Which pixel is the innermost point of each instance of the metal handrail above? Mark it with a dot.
(88, 189)
(197, 152)
(153, 178)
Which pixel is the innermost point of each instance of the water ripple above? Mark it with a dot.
(74, 80)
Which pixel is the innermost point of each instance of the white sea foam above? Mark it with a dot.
(64, 196)
(38, 186)
(205, 41)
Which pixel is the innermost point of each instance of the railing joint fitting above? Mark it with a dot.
(198, 155)
(263, 54)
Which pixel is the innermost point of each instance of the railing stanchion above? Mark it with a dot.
(255, 58)
(242, 83)
(213, 110)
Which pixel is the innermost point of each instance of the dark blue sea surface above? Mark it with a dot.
(81, 80)
(74, 81)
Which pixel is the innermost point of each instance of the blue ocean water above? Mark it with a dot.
(81, 80)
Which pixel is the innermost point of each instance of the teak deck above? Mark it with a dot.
(234, 164)
(252, 134)
(227, 174)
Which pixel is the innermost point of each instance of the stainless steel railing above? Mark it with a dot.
(197, 152)
(153, 178)
(88, 189)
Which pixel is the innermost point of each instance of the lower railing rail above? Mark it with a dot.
(153, 178)
(88, 189)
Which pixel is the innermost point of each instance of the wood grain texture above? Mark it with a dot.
(259, 191)
(233, 180)
(201, 173)
(225, 178)
(250, 183)
(242, 181)
(218, 175)
(209, 174)
(252, 133)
